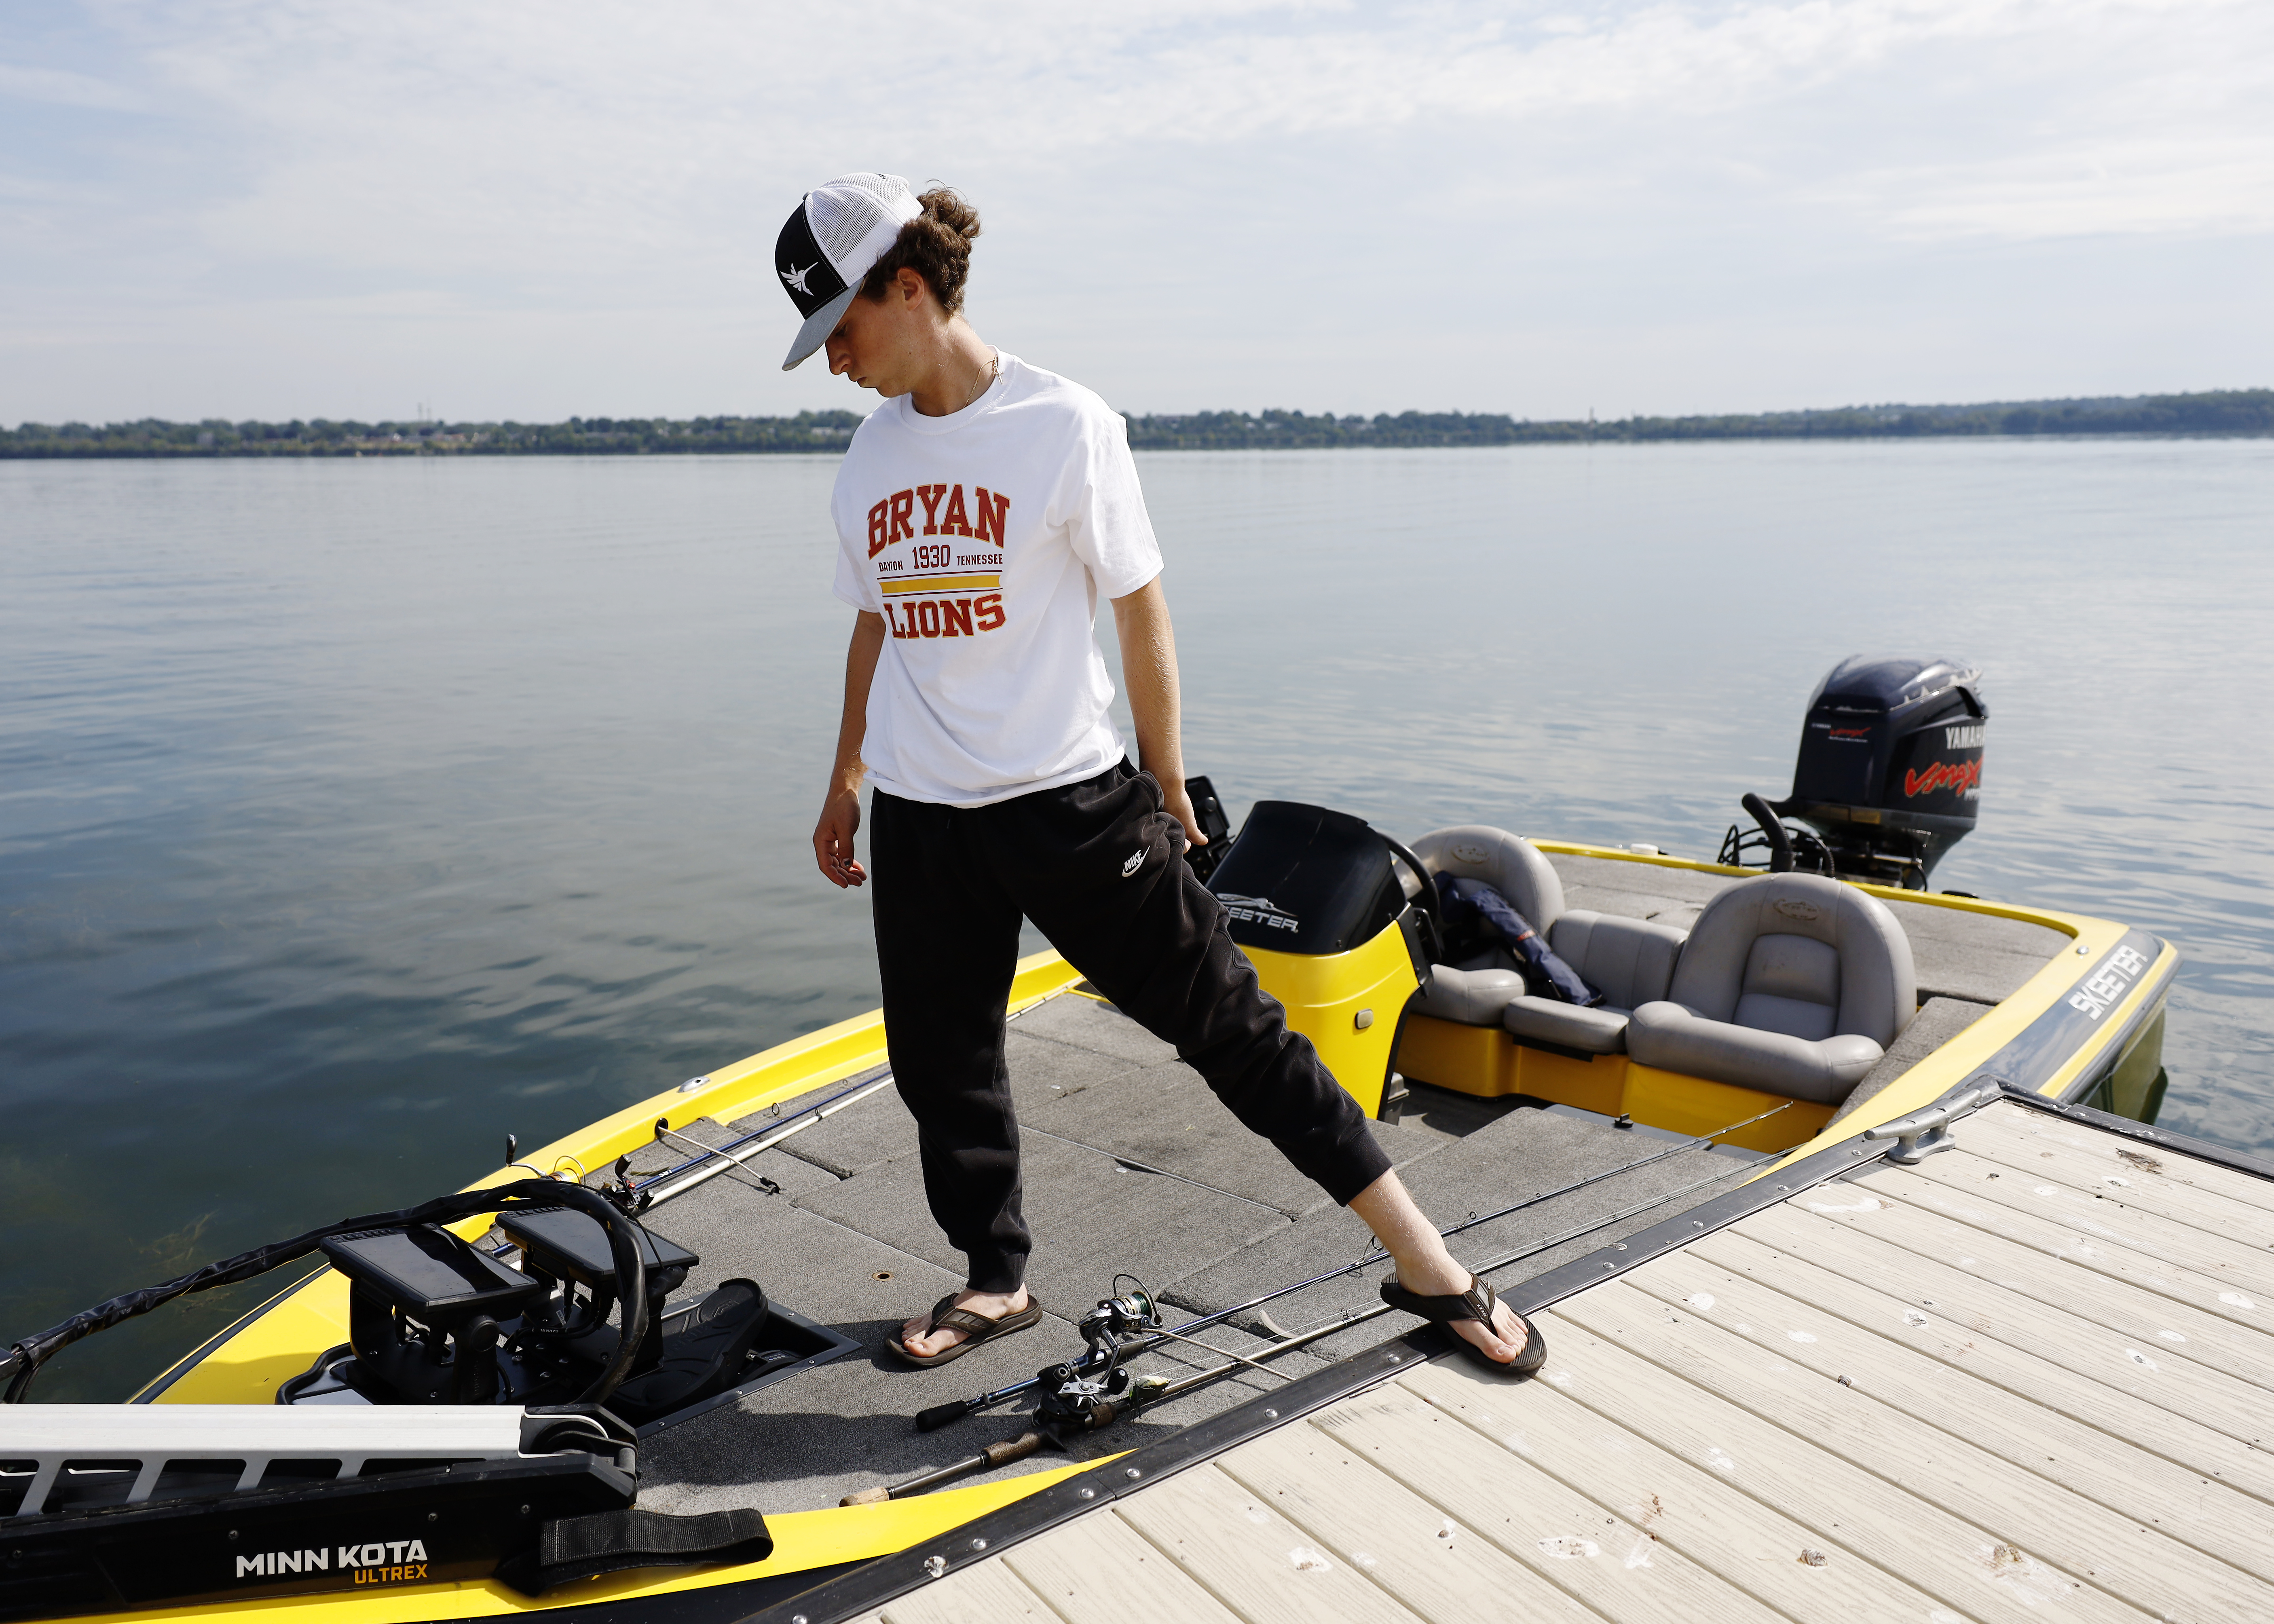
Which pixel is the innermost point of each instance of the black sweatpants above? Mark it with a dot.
(1099, 867)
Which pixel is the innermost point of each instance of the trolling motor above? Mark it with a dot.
(479, 1422)
(433, 1319)
(1888, 777)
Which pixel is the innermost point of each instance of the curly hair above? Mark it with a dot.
(936, 246)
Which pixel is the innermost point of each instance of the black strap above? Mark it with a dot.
(607, 1542)
(1477, 1302)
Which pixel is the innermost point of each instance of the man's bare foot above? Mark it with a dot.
(918, 1337)
(1426, 1269)
(1502, 1342)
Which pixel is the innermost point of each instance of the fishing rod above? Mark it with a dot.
(1146, 1393)
(941, 1415)
(732, 1153)
(1675, 1149)
(774, 1136)
(1153, 1390)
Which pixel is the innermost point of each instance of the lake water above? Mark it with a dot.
(351, 817)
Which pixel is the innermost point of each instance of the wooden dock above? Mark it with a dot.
(2031, 1378)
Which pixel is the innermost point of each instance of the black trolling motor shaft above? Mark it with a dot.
(941, 1415)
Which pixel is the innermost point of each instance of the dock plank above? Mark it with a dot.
(2113, 1154)
(2105, 1368)
(1249, 1557)
(2236, 1264)
(1087, 1569)
(2102, 1165)
(1977, 1571)
(1786, 1565)
(2065, 1242)
(2116, 1553)
(987, 1593)
(1577, 1545)
(2019, 1270)
(1960, 1381)
(1433, 1563)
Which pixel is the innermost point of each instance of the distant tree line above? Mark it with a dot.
(151, 436)
(2224, 412)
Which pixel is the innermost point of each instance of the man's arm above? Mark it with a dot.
(841, 813)
(1149, 676)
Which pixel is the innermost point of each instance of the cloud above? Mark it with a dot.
(2207, 187)
(60, 87)
(514, 134)
(1264, 179)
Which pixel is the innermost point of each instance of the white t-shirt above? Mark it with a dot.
(985, 538)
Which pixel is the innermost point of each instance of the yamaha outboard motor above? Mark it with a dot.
(1890, 770)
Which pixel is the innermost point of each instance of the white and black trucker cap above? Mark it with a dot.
(833, 239)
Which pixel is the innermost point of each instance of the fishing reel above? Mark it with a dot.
(626, 1200)
(1083, 1395)
(434, 1320)
(1073, 1402)
(1128, 1313)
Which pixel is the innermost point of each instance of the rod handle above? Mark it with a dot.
(939, 1415)
(1014, 1448)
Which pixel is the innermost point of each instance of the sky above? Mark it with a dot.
(320, 208)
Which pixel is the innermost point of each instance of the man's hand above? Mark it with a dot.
(833, 840)
(1180, 807)
(840, 814)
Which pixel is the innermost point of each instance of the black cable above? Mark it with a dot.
(23, 1360)
(1773, 826)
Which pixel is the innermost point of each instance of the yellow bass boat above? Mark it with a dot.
(639, 1375)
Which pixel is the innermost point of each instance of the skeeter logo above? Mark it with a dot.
(1259, 911)
(1963, 777)
(2114, 980)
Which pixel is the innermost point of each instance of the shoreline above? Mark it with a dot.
(2228, 414)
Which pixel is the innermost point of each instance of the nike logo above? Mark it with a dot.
(1136, 861)
(795, 278)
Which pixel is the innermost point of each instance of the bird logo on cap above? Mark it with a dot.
(797, 278)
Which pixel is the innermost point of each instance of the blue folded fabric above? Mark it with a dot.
(1465, 901)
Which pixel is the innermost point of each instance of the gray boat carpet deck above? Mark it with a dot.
(832, 1223)
(844, 1237)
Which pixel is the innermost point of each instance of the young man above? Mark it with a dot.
(980, 512)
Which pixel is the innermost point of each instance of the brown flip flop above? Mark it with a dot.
(977, 1328)
(1477, 1302)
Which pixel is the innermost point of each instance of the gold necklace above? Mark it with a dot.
(994, 371)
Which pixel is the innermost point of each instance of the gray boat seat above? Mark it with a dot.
(1515, 869)
(1630, 961)
(1790, 983)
